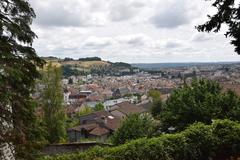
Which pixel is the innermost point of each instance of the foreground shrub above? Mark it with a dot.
(201, 101)
(197, 142)
(134, 127)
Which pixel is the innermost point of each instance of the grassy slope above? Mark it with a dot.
(85, 64)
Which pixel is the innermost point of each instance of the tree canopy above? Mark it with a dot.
(99, 107)
(202, 101)
(135, 126)
(18, 62)
(228, 12)
(52, 103)
(157, 105)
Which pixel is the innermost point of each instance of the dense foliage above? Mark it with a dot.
(154, 94)
(99, 107)
(134, 127)
(157, 105)
(228, 12)
(220, 140)
(90, 59)
(18, 62)
(68, 71)
(121, 64)
(202, 101)
(157, 108)
(52, 104)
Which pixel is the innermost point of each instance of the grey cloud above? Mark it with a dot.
(97, 43)
(124, 10)
(60, 13)
(171, 45)
(135, 40)
(172, 15)
(54, 14)
(200, 37)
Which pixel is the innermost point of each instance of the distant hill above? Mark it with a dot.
(92, 65)
(85, 64)
(176, 65)
(50, 58)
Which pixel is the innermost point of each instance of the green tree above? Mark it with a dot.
(134, 127)
(154, 94)
(18, 62)
(99, 107)
(156, 108)
(228, 12)
(202, 101)
(157, 105)
(52, 103)
(84, 111)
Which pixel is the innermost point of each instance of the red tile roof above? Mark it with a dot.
(128, 108)
(98, 131)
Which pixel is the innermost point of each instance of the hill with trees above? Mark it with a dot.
(91, 65)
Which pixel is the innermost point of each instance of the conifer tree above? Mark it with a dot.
(18, 62)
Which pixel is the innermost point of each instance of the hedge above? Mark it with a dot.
(197, 142)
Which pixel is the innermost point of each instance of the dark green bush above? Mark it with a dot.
(134, 127)
(200, 101)
(197, 142)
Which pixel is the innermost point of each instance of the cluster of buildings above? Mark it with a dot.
(125, 95)
(101, 124)
(111, 90)
(120, 96)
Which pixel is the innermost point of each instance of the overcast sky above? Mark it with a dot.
(133, 31)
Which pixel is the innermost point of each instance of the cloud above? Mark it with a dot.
(97, 42)
(131, 30)
(172, 14)
(172, 44)
(134, 40)
(124, 9)
(84, 13)
(61, 13)
(200, 37)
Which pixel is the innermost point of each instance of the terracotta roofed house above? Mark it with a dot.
(99, 126)
(125, 109)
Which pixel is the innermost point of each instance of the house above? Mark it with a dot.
(124, 109)
(85, 93)
(72, 110)
(107, 94)
(93, 116)
(110, 103)
(98, 126)
(121, 92)
(76, 98)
